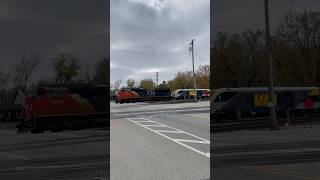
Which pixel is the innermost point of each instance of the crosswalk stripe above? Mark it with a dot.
(192, 141)
(178, 141)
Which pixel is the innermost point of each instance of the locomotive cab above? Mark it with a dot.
(57, 108)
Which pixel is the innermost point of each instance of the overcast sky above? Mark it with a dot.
(146, 35)
(240, 15)
(50, 27)
(149, 36)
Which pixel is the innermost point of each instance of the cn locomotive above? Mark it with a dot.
(235, 103)
(69, 107)
(126, 95)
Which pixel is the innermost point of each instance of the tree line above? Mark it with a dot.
(67, 71)
(239, 59)
(182, 80)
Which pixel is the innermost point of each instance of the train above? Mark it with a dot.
(68, 107)
(189, 94)
(237, 103)
(126, 95)
(131, 95)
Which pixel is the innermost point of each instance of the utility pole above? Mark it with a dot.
(194, 75)
(157, 74)
(271, 103)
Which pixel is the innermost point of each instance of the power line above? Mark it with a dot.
(205, 60)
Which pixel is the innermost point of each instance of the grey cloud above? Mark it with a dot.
(51, 27)
(149, 38)
(235, 15)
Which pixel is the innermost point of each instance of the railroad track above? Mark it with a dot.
(261, 123)
(166, 102)
(71, 167)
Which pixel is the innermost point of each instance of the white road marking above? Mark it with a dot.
(191, 141)
(142, 121)
(178, 141)
(171, 128)
(165, 131)
(155, 125)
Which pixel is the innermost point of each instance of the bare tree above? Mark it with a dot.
(25, 69)
(66, 67)
(203, 76)
(4, 79)
(182, 80)
(252, 56)
(102, 70)
(147, 84)
(87, 70)
(227, 59)
(240, 60)
(131, 83)
(117, 83)
(301, 30)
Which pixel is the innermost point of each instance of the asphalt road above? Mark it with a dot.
(65, 155)
(287, 154)
(160, 141)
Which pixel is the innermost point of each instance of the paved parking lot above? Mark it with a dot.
(160, 142)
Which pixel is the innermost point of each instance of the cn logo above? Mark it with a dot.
(151, 93)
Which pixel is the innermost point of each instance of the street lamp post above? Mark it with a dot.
(271, 104)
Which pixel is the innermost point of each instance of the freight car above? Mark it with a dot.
(126, 95)
(236, 103)
(189, 94)
(70, 107)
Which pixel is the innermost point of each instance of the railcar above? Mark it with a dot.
(126, 95)
(189, 93)
(73, 107)
(235, 103)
